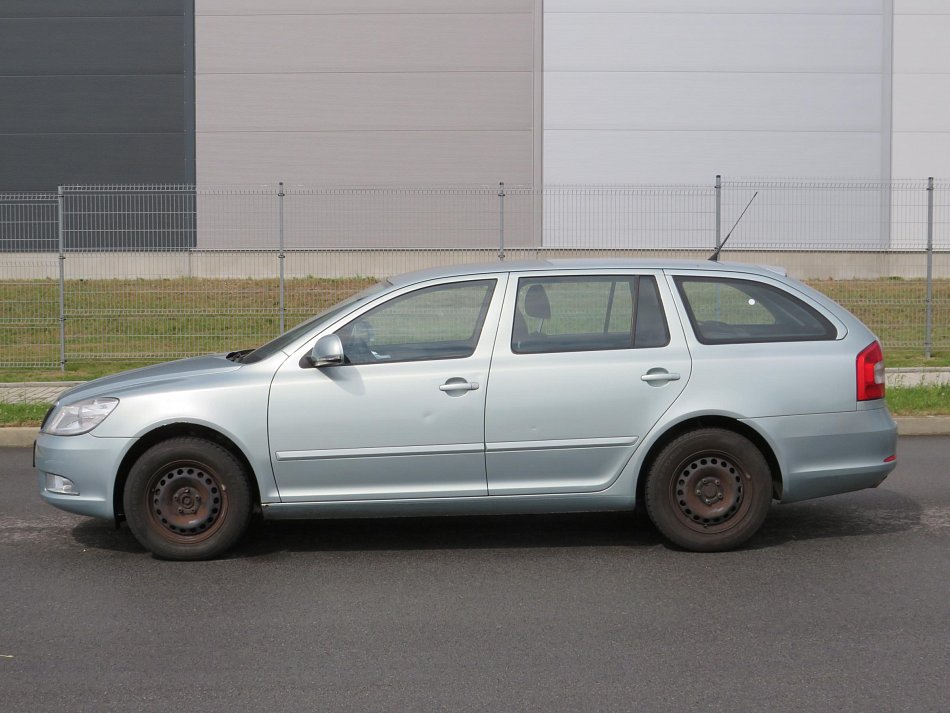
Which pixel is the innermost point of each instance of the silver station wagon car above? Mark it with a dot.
(702, 390)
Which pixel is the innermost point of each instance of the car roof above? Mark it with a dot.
(433, 273)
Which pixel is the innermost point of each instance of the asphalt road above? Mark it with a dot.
(841, 604)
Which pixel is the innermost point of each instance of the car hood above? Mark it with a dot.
(159, 374)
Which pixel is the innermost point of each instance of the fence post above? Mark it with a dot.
(62, 277)
(501, 221)
(280, 251)
(928, 333)
(718, 210)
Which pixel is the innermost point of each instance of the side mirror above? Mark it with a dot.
(328, 351)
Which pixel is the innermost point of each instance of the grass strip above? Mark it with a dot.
(22, 414)
(919, 400)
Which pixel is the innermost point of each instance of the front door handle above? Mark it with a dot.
(458, 385)
(660, 376)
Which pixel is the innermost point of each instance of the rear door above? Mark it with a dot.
(584, 365)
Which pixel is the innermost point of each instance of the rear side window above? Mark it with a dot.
(730, 311)
(590, 313)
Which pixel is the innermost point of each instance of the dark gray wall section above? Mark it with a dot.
(89, 8)
(99, 92)
(100, 45)
(93, 158)
(91, 104)
(95, 91)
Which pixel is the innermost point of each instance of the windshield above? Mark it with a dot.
(291, 335)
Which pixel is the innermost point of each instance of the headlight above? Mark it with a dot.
(80, 417)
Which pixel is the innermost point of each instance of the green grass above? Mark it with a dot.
(22, 414)
(895, 310)
(113, 325)
(919, 400)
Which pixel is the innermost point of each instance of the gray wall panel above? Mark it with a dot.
(347, 102)
(366, 157)
(337, 7)
(366, 92)
(57, 104)
(363, 43)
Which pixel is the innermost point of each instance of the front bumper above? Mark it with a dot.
(831, 453)
(90, 462)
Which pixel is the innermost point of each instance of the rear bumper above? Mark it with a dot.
(90, 462)
(830, 453)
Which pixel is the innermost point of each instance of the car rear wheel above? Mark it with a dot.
(709, 490)
(187, 499)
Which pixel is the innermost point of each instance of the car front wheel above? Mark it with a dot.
(709, 490)
(187, 499)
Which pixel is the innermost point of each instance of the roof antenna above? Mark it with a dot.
(715, 256)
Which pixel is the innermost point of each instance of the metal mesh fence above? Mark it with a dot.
(158, 272)
(29, 285)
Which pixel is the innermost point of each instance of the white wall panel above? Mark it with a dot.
(366, 157)
(356, 101)
(823, 7)
(921, 102)
(363, 43)
(922, 43)
(921, 7)
(918, 155)
(579, 157)
(712, 42)
(921, 141)
(712, 101)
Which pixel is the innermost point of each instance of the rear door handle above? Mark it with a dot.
(660, 376)
(459, 386)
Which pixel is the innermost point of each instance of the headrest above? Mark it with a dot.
(536, 303)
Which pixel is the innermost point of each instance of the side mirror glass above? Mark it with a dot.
(328, 351)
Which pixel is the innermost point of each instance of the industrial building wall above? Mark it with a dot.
(94, 91)
(655, 91)
(436, 92)
(921, 88)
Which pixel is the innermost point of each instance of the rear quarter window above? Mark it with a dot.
(735, 311)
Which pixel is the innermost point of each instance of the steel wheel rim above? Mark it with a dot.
(711, 492)
(186, 502)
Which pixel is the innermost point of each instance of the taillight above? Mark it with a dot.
(870, 373)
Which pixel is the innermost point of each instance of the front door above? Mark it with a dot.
(404, 416)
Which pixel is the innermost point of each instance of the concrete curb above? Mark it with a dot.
(23, 436)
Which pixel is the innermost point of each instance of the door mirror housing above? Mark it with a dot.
(328, 351)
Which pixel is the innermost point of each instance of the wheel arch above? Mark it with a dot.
(711, 421)
(175, 430)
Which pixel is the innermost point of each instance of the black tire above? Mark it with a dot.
(709, 490)
(187, 499)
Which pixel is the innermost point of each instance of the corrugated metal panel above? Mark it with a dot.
(363, 43)
(697, 156)
(372, 102)
(749, 101)
(337, 7)
(96, 103)
(101, 45)
(366, 157)
(712, 42)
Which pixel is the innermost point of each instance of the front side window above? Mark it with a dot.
(589, 313)
(441, 322)
(733, 311)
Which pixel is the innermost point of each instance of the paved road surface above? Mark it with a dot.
(841, 604)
